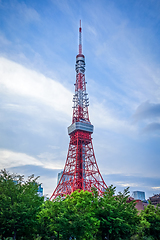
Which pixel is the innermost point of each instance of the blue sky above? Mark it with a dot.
(38, 46)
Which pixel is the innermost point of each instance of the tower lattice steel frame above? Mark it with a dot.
(81, 170)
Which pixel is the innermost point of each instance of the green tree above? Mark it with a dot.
(51, 219)
(72, 217)
(118, 219)
(80, 216)
(86, 215)
(149, 227)
(19, 205)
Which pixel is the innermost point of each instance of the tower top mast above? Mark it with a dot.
(80, 39)
(80, 98)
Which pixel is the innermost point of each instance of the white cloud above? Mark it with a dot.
(121, 184)
(22, 11)
(130, 72)
(54, 147)
(104, 118)
(122, 54)
(3, 40)
(18, 81)
(51, 160)
(10, 159)
(28, 13)
(91, 29)
(21, 107)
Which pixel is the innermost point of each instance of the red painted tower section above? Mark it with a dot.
(81, 170)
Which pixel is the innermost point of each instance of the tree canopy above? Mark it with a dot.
(72, 217)
(149, 227)
(118, 219)
(82, 215)
(86, 215)
(19, 205)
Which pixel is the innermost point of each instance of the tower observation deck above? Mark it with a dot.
(81, 171)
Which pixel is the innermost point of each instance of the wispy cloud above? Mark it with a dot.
(3, 40)
(52, 160)
(147, 110)
(135, 182)
(18, 81)
(152, 128)
(21, 11)
(156, 188)
(29, 14)
(104, 117)
(10, 159)
(147, 116)
(127, 62)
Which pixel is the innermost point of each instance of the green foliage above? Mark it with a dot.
(19, 205)
(73, 217)
(86, 215)
(118, 219)
(50, 218)
(82, 215)
(149, 227)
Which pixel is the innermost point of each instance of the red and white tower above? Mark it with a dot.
(81, 169)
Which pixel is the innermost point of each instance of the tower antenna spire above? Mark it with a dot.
(80, 39)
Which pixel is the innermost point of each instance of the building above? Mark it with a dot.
(40, 190)
(139, 204)
(59, 176)
(138, 195)
(155, 199)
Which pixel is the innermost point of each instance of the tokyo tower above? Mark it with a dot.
(81, 171)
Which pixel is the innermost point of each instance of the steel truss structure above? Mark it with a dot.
(81, 171)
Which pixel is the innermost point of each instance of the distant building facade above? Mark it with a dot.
(139, 195)
(40, 190)
(59, 176)
(155, 199)
(139, 204)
